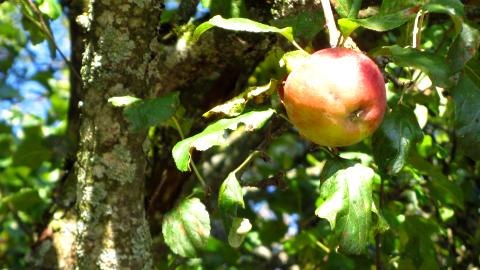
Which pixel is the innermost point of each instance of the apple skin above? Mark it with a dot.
(336, 97)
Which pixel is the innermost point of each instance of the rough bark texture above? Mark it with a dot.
(112, 232)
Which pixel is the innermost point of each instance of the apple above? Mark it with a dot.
(336, 97)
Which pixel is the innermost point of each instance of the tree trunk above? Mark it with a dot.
(112, 232)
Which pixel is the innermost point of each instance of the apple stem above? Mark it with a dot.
(295, 44)
(333, 32)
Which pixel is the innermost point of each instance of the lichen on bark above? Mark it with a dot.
(112, 232)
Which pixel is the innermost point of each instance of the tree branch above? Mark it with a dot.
(334, 34)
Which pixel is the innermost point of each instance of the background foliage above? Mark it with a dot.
(407, 198)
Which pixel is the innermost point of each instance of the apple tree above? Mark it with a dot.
(240, 134)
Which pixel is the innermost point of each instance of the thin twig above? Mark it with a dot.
(244, 164)
(334, 34)
(43, 25)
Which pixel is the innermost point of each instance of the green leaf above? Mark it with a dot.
(23, 200)
(230, 197)
(8, 92)
(379, 23)
(441, 188)
(227, 8)
(395, 137)
(241, 24)
(333, 165)
(347, 205)
(466, 97)
(51, 8)
(391, 6)
(432, 65)
(464, 47)
(214, 135)
(32, 152)
(236, 105)
(238, 231)
(305, 25)
(186, 228)
(123, 101)
(147, 113)
(38, 31)
(343, 7)
(294, 59)
(454, 8)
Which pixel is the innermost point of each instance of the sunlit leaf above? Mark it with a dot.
(51, 8)
(230, 198)
(294, 59)
(240, 24)
(238, 231)
(214, 135)
(186, 228)
(123, 101)
(346, 202)
(394, 138)
(236, 105)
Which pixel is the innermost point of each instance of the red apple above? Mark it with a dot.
(336, 97)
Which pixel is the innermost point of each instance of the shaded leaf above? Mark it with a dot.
(240, 24)
(466, 97)
(394, 139)
(380, 22)
(23, 200)
(454, 8)
(463, 48)
(304, 25)
(227, 8)
(32, 151)
(333, 165)
(440, 186)
(214, 135)
(391, 6)
(8, 92)
(236, 105)
(347, 205)
(432, 65)
(186, 228)
(151, 112)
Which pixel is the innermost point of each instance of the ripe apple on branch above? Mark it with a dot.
(336, 97)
